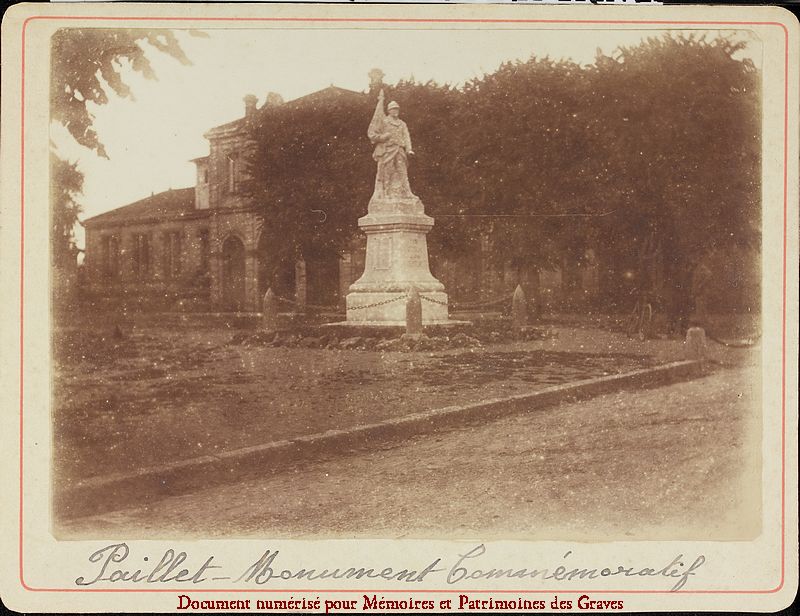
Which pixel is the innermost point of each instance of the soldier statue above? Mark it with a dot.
(392, 147)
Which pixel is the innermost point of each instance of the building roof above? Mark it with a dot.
(228, 127)
(168, 205)
(328, 93)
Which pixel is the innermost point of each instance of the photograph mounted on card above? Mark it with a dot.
(413, 308)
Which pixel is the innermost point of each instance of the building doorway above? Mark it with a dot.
(233, 274)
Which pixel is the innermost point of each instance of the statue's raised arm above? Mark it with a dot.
(376, 126)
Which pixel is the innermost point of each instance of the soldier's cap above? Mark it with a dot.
(393, 105)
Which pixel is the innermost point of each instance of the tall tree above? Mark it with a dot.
(681, 135)
(311, 175)
(527, 161)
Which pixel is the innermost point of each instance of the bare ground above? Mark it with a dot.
(676, 462)
(158, 395)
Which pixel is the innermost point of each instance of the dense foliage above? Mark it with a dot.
(650, 155)
(682, 141)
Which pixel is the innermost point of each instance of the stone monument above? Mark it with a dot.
(396, 226)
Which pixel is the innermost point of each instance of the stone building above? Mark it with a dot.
(201, 247)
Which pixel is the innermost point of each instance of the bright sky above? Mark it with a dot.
(151, 139)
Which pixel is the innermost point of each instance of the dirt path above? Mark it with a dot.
(674, 462)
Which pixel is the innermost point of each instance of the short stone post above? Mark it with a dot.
(519, 310)
(413, 313)
(270, 311)
(696, 343)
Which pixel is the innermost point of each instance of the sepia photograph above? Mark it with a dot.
(509, 284)
(479, 282)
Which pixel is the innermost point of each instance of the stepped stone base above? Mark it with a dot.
(396, 261)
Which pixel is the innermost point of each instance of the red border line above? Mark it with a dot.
(410, 21)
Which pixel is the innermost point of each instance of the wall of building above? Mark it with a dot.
(228, 155)
(187, 278)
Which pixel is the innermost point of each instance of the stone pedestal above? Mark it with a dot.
(396, 261)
